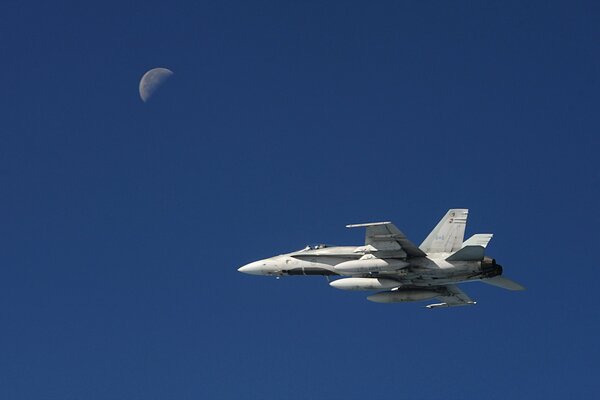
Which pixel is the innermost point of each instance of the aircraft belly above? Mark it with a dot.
(310, 271)
(310, 268)
(425, 276)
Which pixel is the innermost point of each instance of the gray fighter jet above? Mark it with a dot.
(391, 264)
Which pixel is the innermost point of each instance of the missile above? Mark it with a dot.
(468, 303)
(436, 305)
(400, 295)
(364, 284)
(370, 264)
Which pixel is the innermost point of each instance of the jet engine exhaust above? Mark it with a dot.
(489, 268)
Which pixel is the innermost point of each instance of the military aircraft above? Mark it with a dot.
(391, 263)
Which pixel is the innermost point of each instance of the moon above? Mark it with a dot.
(152, 80)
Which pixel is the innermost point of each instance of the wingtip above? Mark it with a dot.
(367, 224)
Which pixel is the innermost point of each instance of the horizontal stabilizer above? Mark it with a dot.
(468, 253)
(503, 283)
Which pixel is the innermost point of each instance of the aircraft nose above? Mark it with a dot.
(254, 268)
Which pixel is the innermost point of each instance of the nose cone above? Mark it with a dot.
(255, 268)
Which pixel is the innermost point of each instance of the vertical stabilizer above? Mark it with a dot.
(448, 235)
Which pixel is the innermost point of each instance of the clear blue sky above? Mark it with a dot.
(123, 222)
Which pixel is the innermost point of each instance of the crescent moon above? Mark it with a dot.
(152, 80)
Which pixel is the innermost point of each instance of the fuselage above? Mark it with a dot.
(353, 261)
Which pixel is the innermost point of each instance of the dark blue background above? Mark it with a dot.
(123, 222)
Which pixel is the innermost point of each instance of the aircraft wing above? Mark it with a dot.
(386, 238)
(452, 296)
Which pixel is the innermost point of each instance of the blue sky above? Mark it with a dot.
(123, 222)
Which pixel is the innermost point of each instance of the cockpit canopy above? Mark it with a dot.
(315, 247)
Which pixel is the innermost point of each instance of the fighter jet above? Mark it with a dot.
(390, 263)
